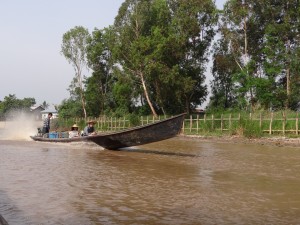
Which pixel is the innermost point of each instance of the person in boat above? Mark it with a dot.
(74, 131)
(46, 124)
(89, 129)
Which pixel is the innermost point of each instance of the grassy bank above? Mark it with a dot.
(250, 125)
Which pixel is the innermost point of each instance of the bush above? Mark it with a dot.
(250, 129)
(134, 119)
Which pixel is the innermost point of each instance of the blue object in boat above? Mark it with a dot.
(53, 135)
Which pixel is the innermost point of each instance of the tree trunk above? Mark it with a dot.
(288, 75)
(147, 95)
(187, 106)
(81, 91)
(246, 64)
(83, 102)
(288, 87)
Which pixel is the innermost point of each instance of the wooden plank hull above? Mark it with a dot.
(140, 135)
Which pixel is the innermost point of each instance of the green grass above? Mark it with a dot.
(252, 125)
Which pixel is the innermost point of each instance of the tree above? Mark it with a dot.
(236, 18)
(12, 104)
(73, 47)
(132, 26)
(163, 46)
(194, 23)
(69, 108)
(282, 49)
(99, 86)
(45, 104)
(223, 94)
(263, 36)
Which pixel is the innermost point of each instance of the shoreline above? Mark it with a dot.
(274, 141)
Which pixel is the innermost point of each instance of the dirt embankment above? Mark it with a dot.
(276, 141)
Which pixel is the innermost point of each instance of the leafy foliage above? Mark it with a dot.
(12, 104)
(73, 47)
(263, 38)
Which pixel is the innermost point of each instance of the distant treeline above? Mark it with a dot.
(11, 105)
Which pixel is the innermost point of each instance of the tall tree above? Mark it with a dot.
(73, 47)
(282, 48)
(264, 38)
(163, 45)
(12, 104)
(237, 16)
(99, 86)
(194, 23)
(132, 26)
(223, 94)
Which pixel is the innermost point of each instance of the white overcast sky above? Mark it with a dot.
(31, 35)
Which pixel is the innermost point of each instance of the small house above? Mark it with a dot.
(36, 112)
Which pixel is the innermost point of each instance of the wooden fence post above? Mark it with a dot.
(271, 120)
(197, 124)
(212, 121)
(230, 122)
(297, 124)
(260, 121)
(221, 122)
(283, 122)
(191, 123)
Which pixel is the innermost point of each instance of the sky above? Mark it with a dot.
(31, 65)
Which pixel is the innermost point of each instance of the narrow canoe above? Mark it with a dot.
(140, 135)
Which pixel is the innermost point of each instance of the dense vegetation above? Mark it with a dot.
(256, 60)
(12, 104)
(153, 59)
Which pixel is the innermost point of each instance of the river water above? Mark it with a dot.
(177, 181)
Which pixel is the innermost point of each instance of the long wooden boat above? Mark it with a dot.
(3, 221)
(140, 135)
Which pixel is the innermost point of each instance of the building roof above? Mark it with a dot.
(33, 108)
(50, 110)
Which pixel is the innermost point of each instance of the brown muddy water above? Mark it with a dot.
(177, 181)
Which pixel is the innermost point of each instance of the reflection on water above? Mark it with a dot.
(178, 181)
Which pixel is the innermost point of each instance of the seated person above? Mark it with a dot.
(74, 131)
(89, 129)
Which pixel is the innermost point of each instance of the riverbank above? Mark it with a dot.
(275, 141)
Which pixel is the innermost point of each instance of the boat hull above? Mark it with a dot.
(140, 135)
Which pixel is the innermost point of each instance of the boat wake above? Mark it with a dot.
(19, 128)
(159, 152)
